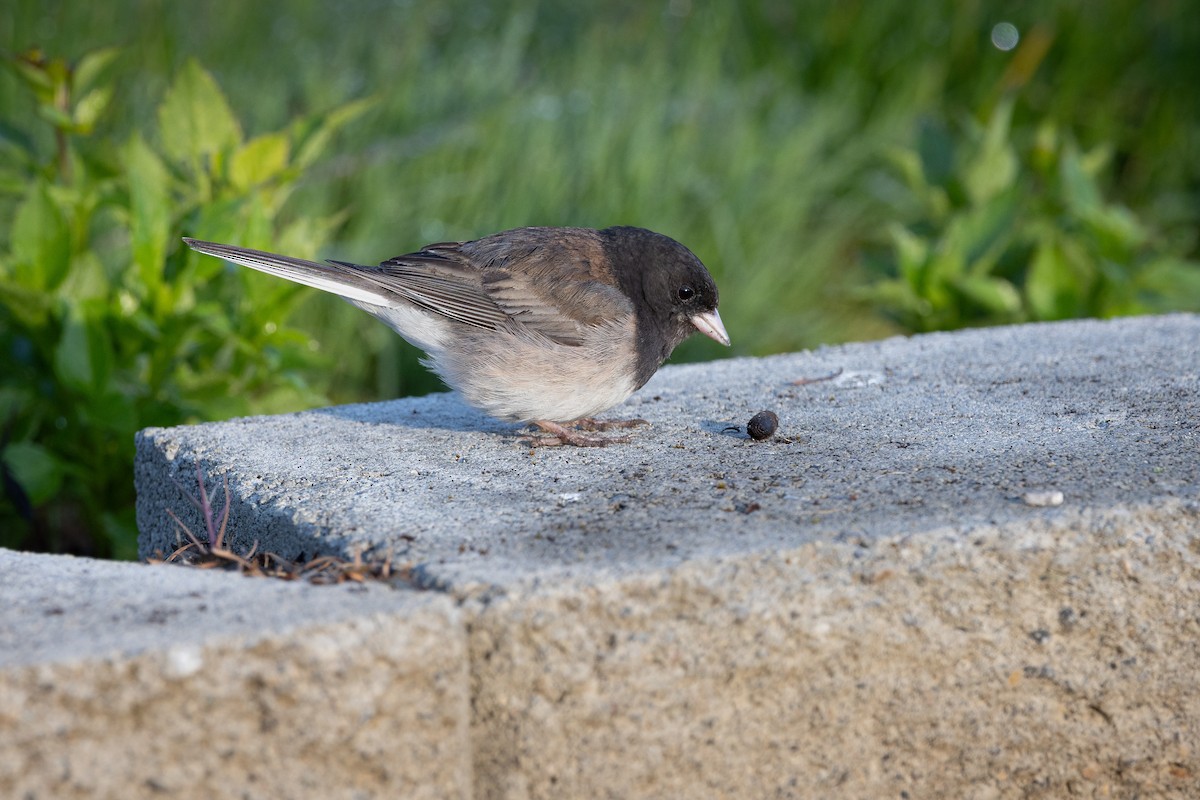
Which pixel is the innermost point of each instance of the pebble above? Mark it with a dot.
(1043, 499)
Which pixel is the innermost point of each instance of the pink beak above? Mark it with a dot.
(711, 326)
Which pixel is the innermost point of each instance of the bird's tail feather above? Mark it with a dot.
(340, 279)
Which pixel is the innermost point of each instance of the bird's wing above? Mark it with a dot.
(440, 284)
(554, 285)
(529, 278)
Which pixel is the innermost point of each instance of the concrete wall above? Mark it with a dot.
(878, 602)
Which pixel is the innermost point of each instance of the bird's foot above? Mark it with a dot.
(562, 435)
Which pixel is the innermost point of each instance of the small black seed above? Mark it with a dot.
(762, 425)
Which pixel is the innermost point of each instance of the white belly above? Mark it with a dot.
(524, 377)
(521, 376)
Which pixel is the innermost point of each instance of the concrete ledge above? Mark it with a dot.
(127, 680)
(1043, 660)
(876, 603)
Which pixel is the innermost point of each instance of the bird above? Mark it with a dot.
(549, 326)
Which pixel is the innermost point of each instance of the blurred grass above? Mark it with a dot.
(751, 132)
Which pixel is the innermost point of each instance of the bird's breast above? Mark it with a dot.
(519, 376)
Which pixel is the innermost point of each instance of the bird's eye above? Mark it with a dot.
(686, 292)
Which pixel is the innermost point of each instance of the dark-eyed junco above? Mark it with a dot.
(541, 325)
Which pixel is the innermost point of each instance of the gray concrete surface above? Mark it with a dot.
(946, 429)
(878, 602)
(122, 680)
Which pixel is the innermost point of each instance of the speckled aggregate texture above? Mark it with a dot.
(123, 680)
(965, 565)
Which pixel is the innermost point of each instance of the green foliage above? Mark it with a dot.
(1005, 233)
(108, 324)
(754, 132)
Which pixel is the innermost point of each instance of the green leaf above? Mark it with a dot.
(304, 237)
(1170, 284)
(981, 232)
(1080, 191)
(55, 116)
(111, 411)
(91, 66)
(1043, 154)
(908, 164)
(150, 210)
(999, 126)
(1116, 229)
(1050, 285)
(35, 468)
(86, 280)
(945, 268)
(218, 221)
(900, 299)
(256, 224)
(315, 134)
(41, 241)
(994, 168)
(1096, 160)
(259, 160)
(72, 360)
(83, 358)
(194, 119)
(31, 68)
(912, 252)
(996, 295)
(936, 151)
(90, 107)
(29, 307)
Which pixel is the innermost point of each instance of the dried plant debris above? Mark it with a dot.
(818, 379)
(322, 570)
(213, 554)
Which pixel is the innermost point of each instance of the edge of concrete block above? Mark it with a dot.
(1047, 659)
(131, 680)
